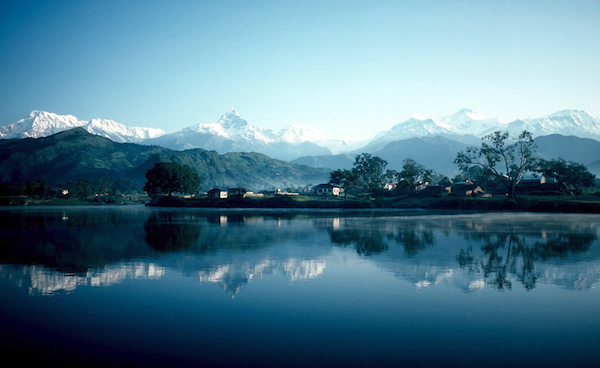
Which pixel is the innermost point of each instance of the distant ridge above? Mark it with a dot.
(76, 154)
(231, 133)
(234, 134)
(40, 124)
(438, 153)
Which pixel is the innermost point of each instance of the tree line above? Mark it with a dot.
(498, 159)
(102, 189)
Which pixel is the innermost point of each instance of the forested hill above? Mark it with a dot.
(76, 154)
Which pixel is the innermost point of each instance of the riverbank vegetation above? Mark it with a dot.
(575, 204)
(492, 177)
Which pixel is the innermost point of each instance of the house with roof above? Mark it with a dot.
(217, 193)
(236, 192)
(529, 184)
(327, 190)
(467, 189)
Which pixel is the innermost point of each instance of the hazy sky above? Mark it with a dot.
(349, 68)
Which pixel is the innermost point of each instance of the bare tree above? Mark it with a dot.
(505, 162)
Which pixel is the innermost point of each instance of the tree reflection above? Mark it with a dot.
(72, 241)
(168, 232)
(414, 239)
(367, 242)
(511, 254)
(374, 238)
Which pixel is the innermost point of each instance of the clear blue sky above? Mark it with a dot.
(349, 68)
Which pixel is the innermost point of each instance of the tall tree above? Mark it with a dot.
(346, 179)
(370, 171)
(413, 174)
(166, 178)
(505, 162)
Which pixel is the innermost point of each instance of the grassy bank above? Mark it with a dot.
(569, 204)
(572, 204)
(33, 201)
(277, 201)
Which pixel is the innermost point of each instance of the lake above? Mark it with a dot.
(136, 286)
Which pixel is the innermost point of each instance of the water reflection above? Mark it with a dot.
(231, 277)
(70, 243)
(491, 250)
(58, 250)
(154, 287)
(371, 238)
(40, 280)
(168, 232)
(511, 253)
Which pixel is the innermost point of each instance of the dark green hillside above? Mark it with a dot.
(76, 154)
(252, 170)
(341, 161)
(68, 156)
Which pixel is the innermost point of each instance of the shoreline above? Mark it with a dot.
(523, 204)
(549, 204)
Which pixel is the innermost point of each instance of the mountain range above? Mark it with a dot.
(438, 153)
(233, 152)
(234, 134)
(231, 133)
(40, 124)
(76, 154)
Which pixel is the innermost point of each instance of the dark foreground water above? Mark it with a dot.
(132, 286)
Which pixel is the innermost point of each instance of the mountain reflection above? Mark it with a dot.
(232, 277)
(39, 280)
(495, 250)
(53, 250)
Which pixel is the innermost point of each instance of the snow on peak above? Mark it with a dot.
(467, 121)
(416, 116)
(230, 114)
(569, 112)
(293, 133)
(473, 115)
(42, 124)
(565, 122)
(232, 126)
(231, 119)
(39, 124)
(119, 132)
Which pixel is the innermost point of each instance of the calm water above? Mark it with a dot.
(133, 286)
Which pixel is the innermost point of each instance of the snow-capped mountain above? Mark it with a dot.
(119, 132)
(231, 133)
(469, 126)
(42, 124)
(234, 134)
(565, 122)
(293, 133)
(232, 126)
(467, 121)
(464, 122)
